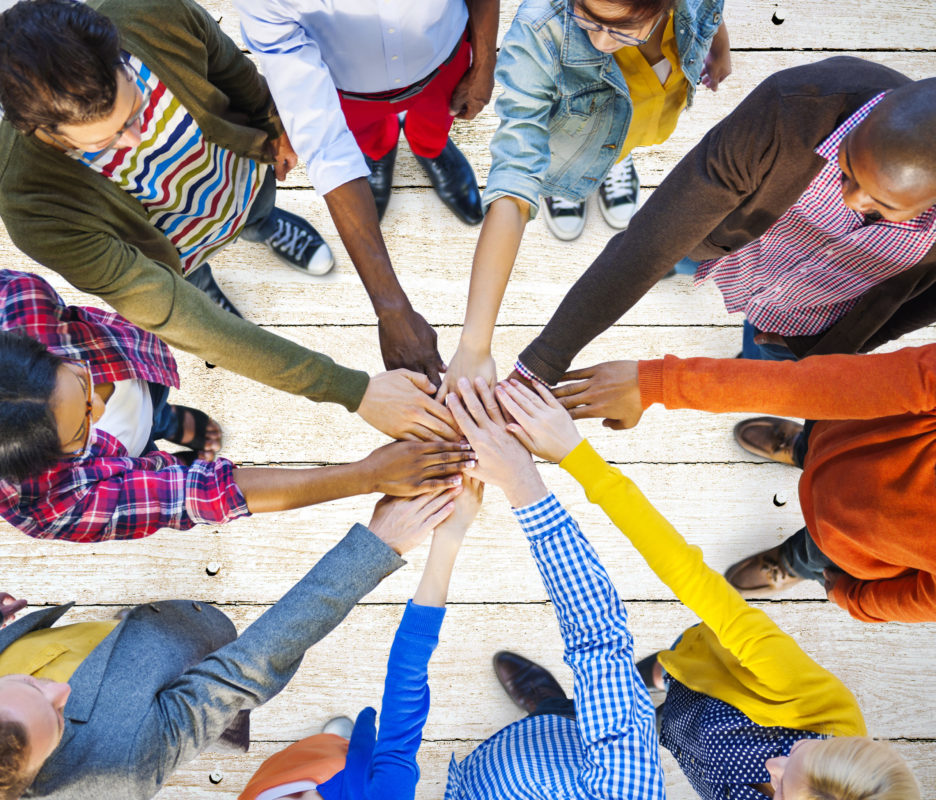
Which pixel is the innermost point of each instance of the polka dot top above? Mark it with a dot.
(718, 747)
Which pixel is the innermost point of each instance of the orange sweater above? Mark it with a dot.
(317, 758)
(868, 490)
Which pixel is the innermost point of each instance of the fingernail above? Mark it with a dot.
(456, 481)
(465, 446)
(471, 464)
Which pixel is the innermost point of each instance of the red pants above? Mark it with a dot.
(375, 125)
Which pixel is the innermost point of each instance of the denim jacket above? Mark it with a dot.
(566, 108)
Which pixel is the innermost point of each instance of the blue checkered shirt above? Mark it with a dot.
(611, 750)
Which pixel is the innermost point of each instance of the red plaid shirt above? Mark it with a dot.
(811, 266)
(107, 495)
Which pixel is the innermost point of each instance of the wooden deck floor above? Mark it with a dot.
(685, 462)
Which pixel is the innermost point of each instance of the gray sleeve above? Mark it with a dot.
(194, 710)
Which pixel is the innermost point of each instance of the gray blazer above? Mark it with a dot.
(172, 676)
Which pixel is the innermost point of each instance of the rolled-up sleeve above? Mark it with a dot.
(128, 498)
(526, 69)
(304, 91)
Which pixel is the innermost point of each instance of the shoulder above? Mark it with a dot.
(156, 20)
(833, 78)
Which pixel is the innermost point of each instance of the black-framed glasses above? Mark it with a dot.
(84, 432)
(90, 156)
(619, 36)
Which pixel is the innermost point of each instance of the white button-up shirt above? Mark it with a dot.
(310, 48)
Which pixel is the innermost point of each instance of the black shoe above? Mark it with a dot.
(528, 684)
(297, 243)
(454, 180)
(381, 179)
(202, 278)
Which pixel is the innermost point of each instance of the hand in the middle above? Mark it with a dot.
(502, 460)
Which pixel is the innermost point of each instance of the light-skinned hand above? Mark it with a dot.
(609, 390)
(402, 469)
(717, 65)
(502, 460)
(541, 424)
(402, 523)
(400, 403)
(467, 505)
(9, 605)
(470, 364)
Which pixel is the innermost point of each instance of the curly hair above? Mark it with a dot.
(58, 64)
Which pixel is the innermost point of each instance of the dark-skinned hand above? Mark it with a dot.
(408, 341)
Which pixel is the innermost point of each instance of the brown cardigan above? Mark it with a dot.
(727, 191)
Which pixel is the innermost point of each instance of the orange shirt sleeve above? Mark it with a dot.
(819, 387)
(909, 598)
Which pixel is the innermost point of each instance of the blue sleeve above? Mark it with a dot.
(394, 772)
(615, 715)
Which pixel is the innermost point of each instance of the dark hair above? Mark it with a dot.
(14, 753)
(29, 439)
(633, 12)
(58, 64)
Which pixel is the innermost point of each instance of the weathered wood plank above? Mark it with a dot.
(729, 510)
(757, 24)
(345, 672)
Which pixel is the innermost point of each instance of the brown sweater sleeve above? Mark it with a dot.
(818, 387)
(702, 189)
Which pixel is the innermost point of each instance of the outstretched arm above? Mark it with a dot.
(615, 716)
(770, 655)
(818, 387)
(393, 772)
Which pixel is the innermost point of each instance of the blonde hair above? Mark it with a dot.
(857, 768)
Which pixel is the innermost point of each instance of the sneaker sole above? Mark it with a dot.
(612, 223)
(560, 234)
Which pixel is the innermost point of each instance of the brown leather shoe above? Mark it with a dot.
(769, 437)
(528, 684)
(761, 575)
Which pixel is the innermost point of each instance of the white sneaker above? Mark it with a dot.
(564, 218)
(618, 194)
(339, 726)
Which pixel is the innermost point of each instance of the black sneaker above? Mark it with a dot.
(618, 194)
(297, 243)
(564, 218)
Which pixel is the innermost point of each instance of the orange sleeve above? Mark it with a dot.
(818, 387)
(909, 598)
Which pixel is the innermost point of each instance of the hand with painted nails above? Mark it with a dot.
(502, 460)
(402, 469)
(402, 523)
(541, 424)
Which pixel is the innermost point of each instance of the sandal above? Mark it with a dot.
(201, 420)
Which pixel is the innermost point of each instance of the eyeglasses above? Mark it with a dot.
(90, 156)
(84, 432)
(619, 36)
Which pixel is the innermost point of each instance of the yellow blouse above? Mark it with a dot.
(738, 654)
(54, 653)
(656, 106)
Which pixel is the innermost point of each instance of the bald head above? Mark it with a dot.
(901, 135)
(889, 160)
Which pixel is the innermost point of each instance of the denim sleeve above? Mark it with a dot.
(527, 66)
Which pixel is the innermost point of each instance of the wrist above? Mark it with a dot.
(527, 489)
(389, 307)
(362, 476)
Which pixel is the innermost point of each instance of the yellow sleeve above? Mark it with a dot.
(765, 653)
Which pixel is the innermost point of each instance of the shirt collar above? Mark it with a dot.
(829, 147)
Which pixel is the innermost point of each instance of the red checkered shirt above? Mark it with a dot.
(814, 263)
(107, 494)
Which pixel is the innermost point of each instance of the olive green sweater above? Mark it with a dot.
(97, 236)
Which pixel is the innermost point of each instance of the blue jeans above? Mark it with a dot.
(762, 352)
(164, 421)
(804, 558)
(260, 224)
